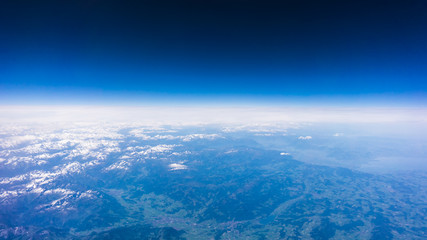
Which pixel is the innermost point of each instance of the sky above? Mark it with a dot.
(134, 52)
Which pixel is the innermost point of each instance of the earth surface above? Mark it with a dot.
(113, 181)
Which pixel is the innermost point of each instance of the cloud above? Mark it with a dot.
(75, 142)
(231, 151)
(177, 166)
(141, 134)
(14, 141)
(338, 134)
(196, 115)
(305, 138)
(199, 136)
(285, 154)
(121, 165)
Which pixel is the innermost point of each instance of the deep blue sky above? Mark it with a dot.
(211, 48)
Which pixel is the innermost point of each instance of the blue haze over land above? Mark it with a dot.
(79, 172)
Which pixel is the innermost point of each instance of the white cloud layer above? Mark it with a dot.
(177, 166)
(162, 115)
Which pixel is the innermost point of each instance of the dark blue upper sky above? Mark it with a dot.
(212, 48)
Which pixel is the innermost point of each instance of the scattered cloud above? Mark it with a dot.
(177, 166)
(185, 138)
(121, 165)
(231, 151)
(305, 138)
